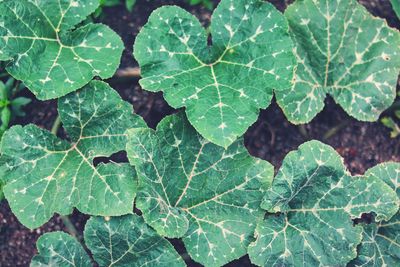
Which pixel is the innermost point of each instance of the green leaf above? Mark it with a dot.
(342, 51)
(222, 86)
(46, 49)
(193, 189)
(47, 174)
(317, 199)
(396, 7)
(123, 241)
(60, 249)
(130, 4)
(128, 241)
(381, 241)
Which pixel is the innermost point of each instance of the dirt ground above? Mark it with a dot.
(363, 145)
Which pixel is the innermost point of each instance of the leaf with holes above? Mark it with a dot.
(222, 86)
(196, 190)
(44, 47)
(46, 174)
(121, 241)
(316, 199)
(342, 51)
(381, 241)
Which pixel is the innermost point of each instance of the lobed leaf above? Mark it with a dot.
(222, 86)
(45, 174)
(196, 190)
(381, 241)
(342, 51)
(120, 241)
(49, 51)
(317, 199)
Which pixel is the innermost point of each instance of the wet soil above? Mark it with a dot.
(361, 144)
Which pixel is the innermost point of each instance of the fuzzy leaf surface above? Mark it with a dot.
(381, 241)
(46, 49)
(191, 188)
(317, 199)
(45, 174)
(222, 86)
(120, 242)
(345, 52)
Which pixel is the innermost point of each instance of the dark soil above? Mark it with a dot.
(361, 144)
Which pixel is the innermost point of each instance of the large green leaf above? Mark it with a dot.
(60, 249)
(120, 241)
(342, 51)
(46, 49)
(196, 190)
(222, 86)
(317, 199)
(381, 241)
(46, 174)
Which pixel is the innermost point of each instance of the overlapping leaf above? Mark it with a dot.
(45, 174)
(317, 200)
(46, 49)
(123, 241)
(381, 241)
(342, 51)
(396, 7)
(222, 86)
(196, 190)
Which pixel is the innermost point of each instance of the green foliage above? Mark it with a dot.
(206, 3)
(129, 4)
(381, 241)
(46, 50)
(45, 174)
(345, 52)
(222, 86)
(198, 191)
(121, 241)
(11, 106)
(310, 206)
(396, 7)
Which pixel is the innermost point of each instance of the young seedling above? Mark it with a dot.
(206, 3)
(129, 4)
(120, 241)
(224, 85)
(310, 208)
(45, 174)
(45, 47)
(342, 51)
(195, 190)
(396, 7)
(11, 106)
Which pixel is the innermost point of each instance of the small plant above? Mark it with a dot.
(206, 3)
(11, 106)
(129, 5)
(43, 47)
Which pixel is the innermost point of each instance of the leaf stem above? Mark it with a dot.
(70, 227)
(128, 73)
(56, 125)
(335, 129)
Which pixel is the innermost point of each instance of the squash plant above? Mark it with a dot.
(192, 178)
(46, 48)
